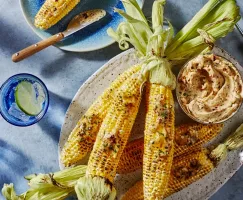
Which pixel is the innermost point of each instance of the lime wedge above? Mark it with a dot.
(26, 98)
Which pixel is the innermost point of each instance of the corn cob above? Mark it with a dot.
(132, 157)
(189, 168)
(111, 140)
(185, 170)
(115, 131)
(52, 11)
(192, 136)
(159, 123)
(158, 140)
(82, 138)
(189, 137)
(135, 192)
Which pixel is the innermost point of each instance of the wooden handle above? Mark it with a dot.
(29, 51)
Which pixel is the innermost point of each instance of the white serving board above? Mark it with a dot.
(96, 84)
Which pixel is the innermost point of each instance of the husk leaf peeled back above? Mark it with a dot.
(55, 186)
(233, 142)
(149, 42)
(216, 19)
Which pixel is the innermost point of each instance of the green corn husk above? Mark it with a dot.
(9, 192)
(136, 30)
(149, 42)
(136, 27)
(215, 20)
(191, 27)
(217, 23)
(95, 188)
(233, 142)
(56, 186)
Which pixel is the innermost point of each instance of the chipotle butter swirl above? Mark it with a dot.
(210, 88)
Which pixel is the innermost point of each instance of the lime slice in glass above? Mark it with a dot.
(29, 98)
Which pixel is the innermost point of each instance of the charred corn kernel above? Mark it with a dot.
(115, 130)
(52, 11)
(132, 157)
(188, 169)
(82, 138)
(158, 140)
(188, 138)
(135, 192)
(185, 170)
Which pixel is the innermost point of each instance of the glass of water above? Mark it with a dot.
(24, 100)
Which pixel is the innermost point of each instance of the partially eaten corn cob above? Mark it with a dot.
(188, 138)
(189, 168)
(52, 11)
(82, 138)
(110, 142)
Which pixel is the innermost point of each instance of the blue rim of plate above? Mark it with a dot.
(72, 43)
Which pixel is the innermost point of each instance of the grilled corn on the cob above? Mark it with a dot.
(52, 11)
(159, 123)
(188, 138)
(132, 157)
(185, 170)
(158, 140)
(135, 192)
(59, 182)
(111, 140)
(189, 168)
(82, 138)
(115, 130)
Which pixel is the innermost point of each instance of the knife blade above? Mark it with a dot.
(83, 20)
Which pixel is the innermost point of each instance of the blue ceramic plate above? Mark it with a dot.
(92, 37)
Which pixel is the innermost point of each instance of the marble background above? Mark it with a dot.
(34, 149)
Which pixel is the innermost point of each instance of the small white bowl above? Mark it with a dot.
(229, 59)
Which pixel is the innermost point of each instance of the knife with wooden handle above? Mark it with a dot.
(79, 22)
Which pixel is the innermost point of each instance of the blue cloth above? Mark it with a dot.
(34, 149)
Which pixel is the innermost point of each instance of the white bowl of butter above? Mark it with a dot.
(209, 89)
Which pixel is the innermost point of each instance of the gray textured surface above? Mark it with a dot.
(34, 149)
